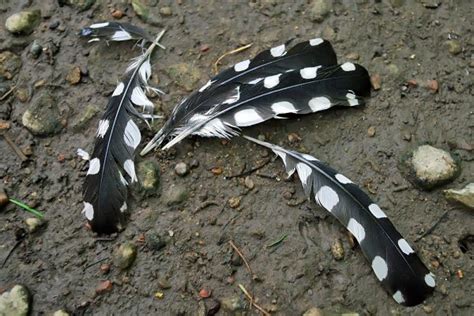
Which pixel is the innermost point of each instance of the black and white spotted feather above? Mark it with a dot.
(393, 260)
(114, 31)
(277, 83)
(111, 165)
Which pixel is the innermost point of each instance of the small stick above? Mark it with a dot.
(94, 263)
(216, 64)
(246, 173)
(7, 93)
(251, 300)
(241, 256)
(430, 230)
(15, 148)
(204, 205)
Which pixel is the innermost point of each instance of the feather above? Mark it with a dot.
(111, 165)
(277, 83)
(114, 31)
(393, 260)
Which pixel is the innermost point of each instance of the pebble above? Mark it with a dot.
(234, 202)
(194, 164)
(117, 14)
(232, 304)
(184, 75)
(146, 11)
(155, 241)
(376, 81)
(353, 56)
(164, 284)
(181, 169)
(175, 194)
(371, 131)
(15, 302)
(23, 22)
(60, 313)
(212, 307)
(337, 250)
(166, 11)
(217, 171)
(42, 118)
(36, 49)
(125, 255)
(464, 196)
(3, 199)
(149, 177)
(74, 75)
(314, 311)
(203, 293)
(319, 9)
(22, 94)
(104, 287)
(249, 184)
(454, 46)
(79, 5)
(104, 268)
(53, 25)
(10, 64)
(33, 224)
(86, 115)
(431, 166)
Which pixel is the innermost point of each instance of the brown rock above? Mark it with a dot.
(376, 81)
(104, 287)
(371, 131)
(234, 202)
(74, 75)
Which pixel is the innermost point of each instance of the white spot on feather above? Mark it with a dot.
(315, 41)
(243, 65)
(129, 167)
(103, 128)
(278, 50)
(348, 67)
(123, 208)
(255, 81)
(304, 172)
(99, 25)
(207, 85)
(380, 267)
(327, 197)
(122, 179)
(309, 157)
(121, 36)
(88, 211)
(247, 117)
(94, 166)
(319, 104)
(405, 247)
(118, 90)
(233, 98)
(271, 81)
(356, 229)
(309, 72)
(83, 154)
(351, 99)
(398, 297)
(342, 179)
(132, 136)
(283, 107)
(429, 280)
(139, 97)
(145, 70)
(376, 211)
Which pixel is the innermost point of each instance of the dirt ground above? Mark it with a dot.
(399, 40)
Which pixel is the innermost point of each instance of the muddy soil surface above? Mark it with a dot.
(398, 40)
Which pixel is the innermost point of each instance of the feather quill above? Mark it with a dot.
(277, 83)
(393, 260)
(111, 165)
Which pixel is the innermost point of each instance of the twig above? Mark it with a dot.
(252, 302)
(11, 251)
(241, 256)
(15, 148)
(278, 241)
(430, 230)
(27, 208)
(7, 93)
(246, 173)
(237, 50)
(204, 205)
(94, 263)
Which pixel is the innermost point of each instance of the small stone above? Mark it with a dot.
(181, 169)
(337, 250)
(22, 94)
(159, 295)
(454, 46)
(10, 64)
(36, 49)
(33, 224)
(15, 302)
(74, 75)
(175, 194)
(42, 118)
(293, 138)
(431, 85)
(194, 164)
(23, 22)
(149, 177)
(371, 131)
(376, 81)
(117, 14)
(155, 242)
(53, 25)
(217, 171)
(319, 9)
(79, 5)
(184, 75)
(86, 115)
(164, 284)
(431, 166)
(314, 311)
(249, 183)
(166, 11)
(4, 200)
(464, 196)
(234, 202)
(60, 313)
(203, 293)
(105, 268)
(4, 125)
(104, 287)
(146, 10)
(125, 255)
(232, 304)
(212, 307)
(353, 56)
